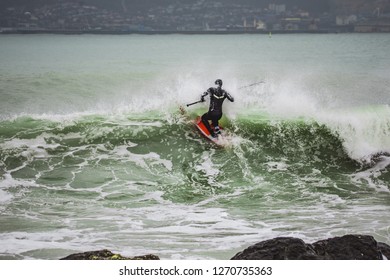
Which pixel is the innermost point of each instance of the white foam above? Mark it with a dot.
(364, 131)
(39, 142)
(207, 166)
(143, 160)
(4, 196)
(30, 148)
(279, 166)
(8, 182)
(370, 176)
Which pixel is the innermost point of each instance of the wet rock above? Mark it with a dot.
(347, 247)
(385, 249)
(281, 248)
(106, 255)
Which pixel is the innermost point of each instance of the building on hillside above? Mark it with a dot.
(369, 27)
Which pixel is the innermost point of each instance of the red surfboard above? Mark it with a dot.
(202, 128)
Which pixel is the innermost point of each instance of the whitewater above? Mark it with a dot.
(95, 152)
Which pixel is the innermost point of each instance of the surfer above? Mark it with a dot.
(217, 96)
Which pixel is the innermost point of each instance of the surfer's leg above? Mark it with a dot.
(214, 121)
(214, 130)
(205, 119)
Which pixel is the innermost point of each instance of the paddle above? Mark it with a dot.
(262, 82)
(194, 103)
(238, 88)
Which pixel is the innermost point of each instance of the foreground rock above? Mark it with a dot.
(106, 255)
(385, 249)
(348, 247)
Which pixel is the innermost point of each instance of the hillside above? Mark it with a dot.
(359, 6)
(313, 6)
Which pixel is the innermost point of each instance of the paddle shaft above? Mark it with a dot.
(194, 103)
(239, 88)
(251, 85)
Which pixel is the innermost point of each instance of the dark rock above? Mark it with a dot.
(384, 249)
(348, 247)
(106, 255)
(281, 248)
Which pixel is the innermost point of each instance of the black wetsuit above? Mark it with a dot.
(217, 96)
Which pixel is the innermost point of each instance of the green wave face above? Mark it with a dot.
(95, 150)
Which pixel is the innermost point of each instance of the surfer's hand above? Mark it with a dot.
(202, 99)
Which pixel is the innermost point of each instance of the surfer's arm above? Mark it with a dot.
(205, 94)
(228, 96)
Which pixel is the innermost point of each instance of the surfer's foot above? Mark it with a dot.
(216, 130)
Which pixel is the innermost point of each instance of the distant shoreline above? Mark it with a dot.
(168, 32)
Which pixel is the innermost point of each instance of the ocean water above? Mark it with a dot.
(95, 153)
